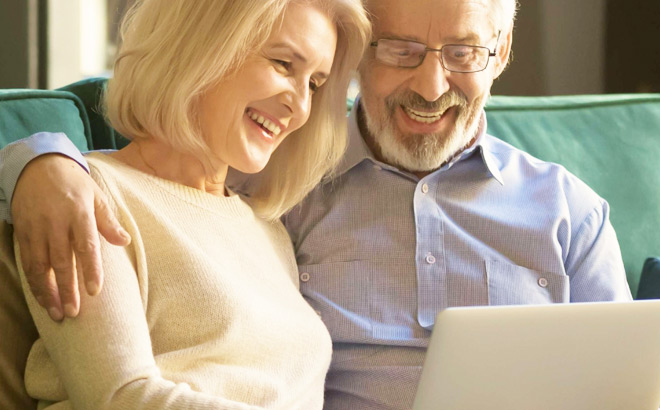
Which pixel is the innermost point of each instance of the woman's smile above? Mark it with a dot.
(265, 122)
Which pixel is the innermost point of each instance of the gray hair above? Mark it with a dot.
(504, 13)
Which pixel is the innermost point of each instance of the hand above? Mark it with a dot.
(58, 213)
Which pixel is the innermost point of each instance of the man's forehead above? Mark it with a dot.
(436, 20)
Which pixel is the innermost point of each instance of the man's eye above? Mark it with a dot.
(402, 52)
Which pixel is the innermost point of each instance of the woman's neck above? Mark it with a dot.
(158, 159)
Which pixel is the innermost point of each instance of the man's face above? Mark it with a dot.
(418, 118)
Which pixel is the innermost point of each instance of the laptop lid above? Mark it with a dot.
(603, 356)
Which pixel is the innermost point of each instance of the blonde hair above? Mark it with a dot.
(174, 50)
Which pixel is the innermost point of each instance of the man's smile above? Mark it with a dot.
(423, 116)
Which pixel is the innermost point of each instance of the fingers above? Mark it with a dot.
(87, 249)
(36, 264)
(107, 223)
(62, 261)
(46, 203)
(87, 246)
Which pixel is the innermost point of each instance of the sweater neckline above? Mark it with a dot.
(232, 205)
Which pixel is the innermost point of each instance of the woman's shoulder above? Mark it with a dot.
(121, 183)
(116, 177)
(103, 166)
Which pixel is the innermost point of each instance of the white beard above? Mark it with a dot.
(424, 152)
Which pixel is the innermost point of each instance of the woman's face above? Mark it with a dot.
(248, 114)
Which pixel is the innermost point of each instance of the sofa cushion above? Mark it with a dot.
(18, 330)
(26, 112)
(609, 141)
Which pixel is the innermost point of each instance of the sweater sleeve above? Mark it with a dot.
(104, 356)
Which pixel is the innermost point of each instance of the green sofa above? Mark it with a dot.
(612, 142)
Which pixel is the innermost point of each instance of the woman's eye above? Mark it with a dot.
(313, 87)
(285, 64)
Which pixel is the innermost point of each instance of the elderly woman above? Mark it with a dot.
(202, 309)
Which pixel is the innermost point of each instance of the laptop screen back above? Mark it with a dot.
(603, 356)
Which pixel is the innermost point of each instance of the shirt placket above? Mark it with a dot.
(430, 254)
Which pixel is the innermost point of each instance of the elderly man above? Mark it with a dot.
(427, 210)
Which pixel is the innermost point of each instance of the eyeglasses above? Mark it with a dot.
(457, 58)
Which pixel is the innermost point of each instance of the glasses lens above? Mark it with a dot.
(464, 59)
(400, 53)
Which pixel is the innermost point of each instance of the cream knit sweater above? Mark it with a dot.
(200, 311)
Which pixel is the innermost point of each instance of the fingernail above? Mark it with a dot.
(69, 310)
(124, 234)
(55, 314)
(92, 288)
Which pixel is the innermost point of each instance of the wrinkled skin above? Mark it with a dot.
(59, 237)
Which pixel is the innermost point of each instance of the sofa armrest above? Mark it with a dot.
(18, 331)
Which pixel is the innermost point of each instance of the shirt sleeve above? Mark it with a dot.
(594, 263)
(15, 156)
(104, 357)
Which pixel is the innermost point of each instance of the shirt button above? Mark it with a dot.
(430, 259)
(304, 277)
(543, 282)
(425, 188)
(318, 312)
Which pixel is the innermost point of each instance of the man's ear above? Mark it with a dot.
(503, 51)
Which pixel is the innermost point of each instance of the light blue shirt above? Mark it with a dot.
(381, 252)
(16, 155)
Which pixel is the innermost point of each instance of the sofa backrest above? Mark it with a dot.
(612, 142)
(25, 112)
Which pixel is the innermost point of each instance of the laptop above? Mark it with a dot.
(581, 356)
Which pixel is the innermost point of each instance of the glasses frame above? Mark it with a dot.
(442, 58)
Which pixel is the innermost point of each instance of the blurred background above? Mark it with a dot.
(560, 46)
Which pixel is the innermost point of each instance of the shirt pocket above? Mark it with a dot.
(339, 292)
(510, 284)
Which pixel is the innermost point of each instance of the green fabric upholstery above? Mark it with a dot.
(25, 112)
(89, 91)
(612, 142)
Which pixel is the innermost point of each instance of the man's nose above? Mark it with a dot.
(430, 78)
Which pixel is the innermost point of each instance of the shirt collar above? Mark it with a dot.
(482, 145)
(357, 149)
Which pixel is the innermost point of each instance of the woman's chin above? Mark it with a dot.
(250, 167)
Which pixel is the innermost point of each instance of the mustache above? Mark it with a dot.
(415, 101)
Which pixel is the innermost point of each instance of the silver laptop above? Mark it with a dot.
(583, 356)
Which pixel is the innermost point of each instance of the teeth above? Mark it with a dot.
(424, 117)
(267, 124)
